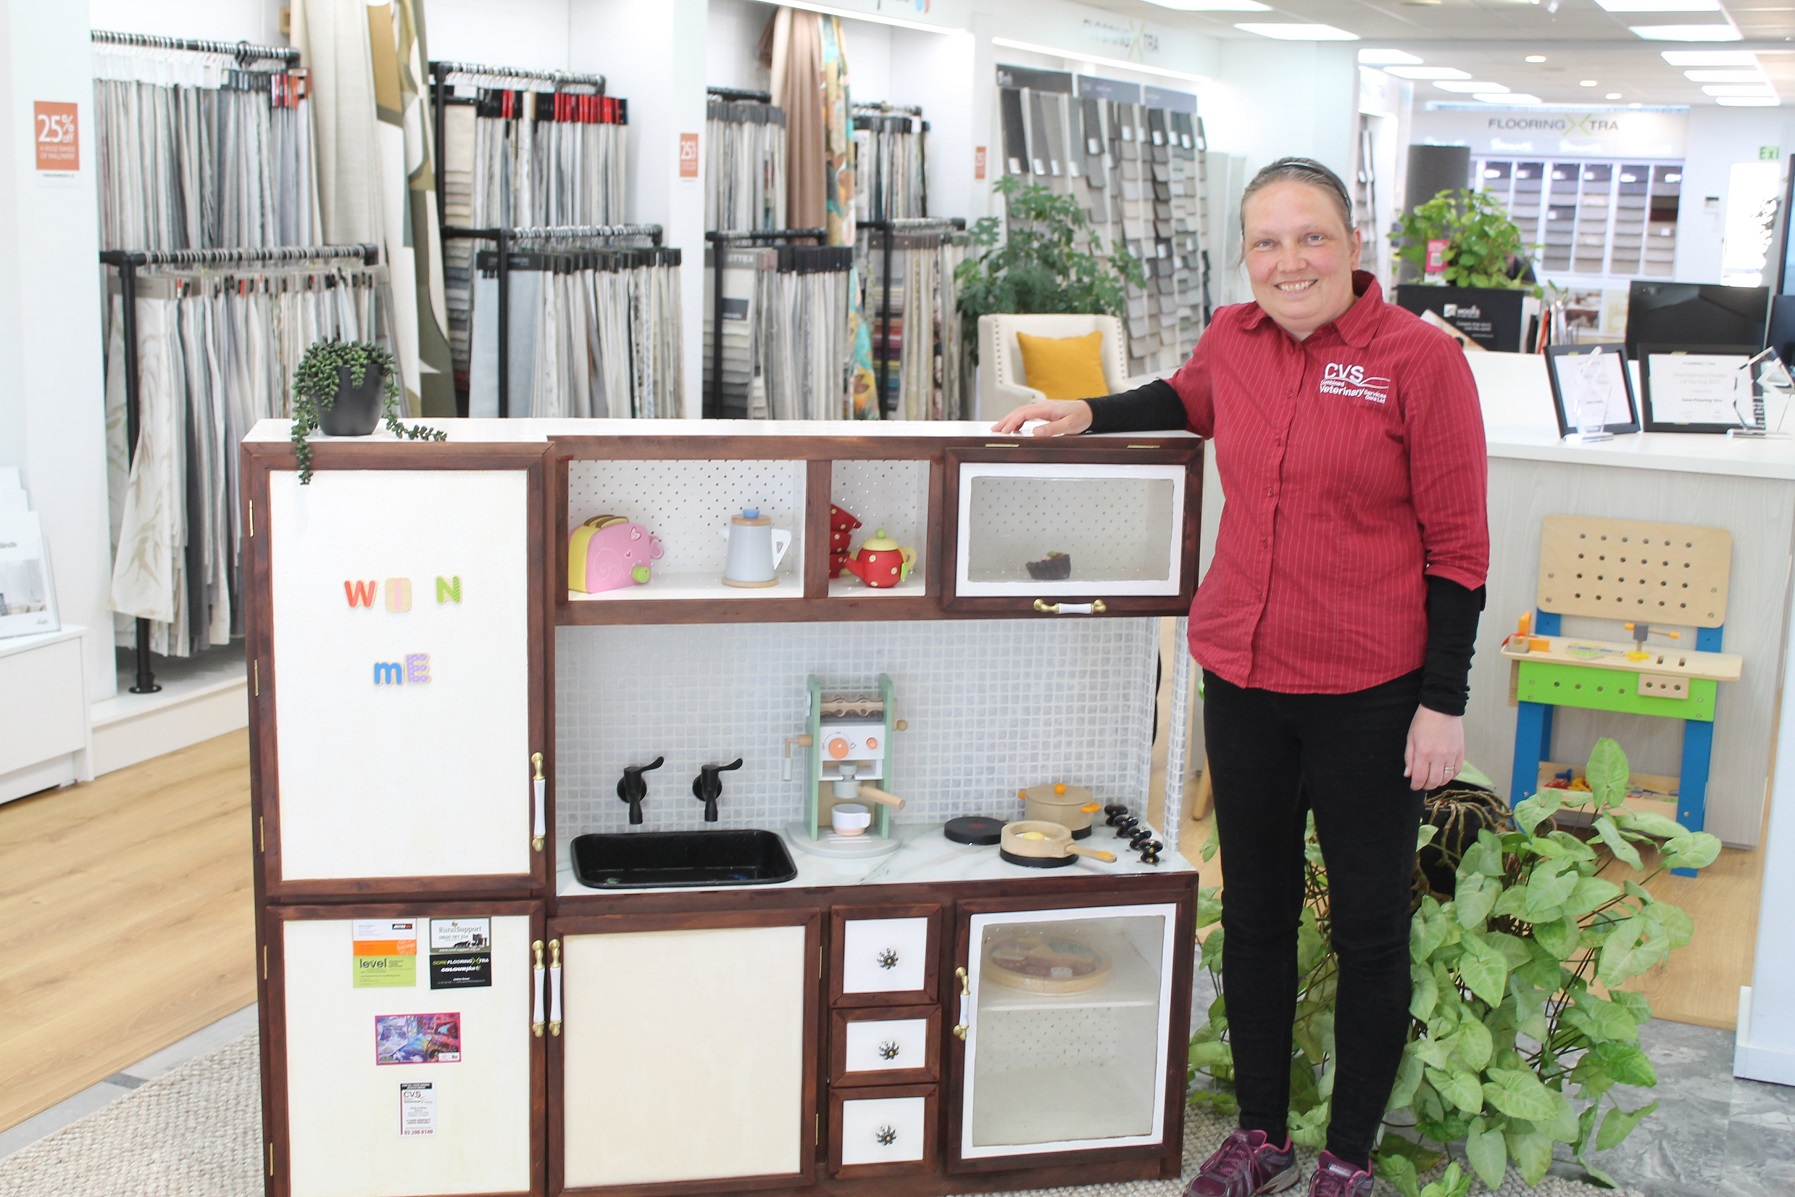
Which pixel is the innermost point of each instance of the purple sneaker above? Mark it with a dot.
(1334, 1177)
(1244, 1165)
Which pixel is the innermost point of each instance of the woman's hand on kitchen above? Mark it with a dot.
(1065, 417)
(1436, 749)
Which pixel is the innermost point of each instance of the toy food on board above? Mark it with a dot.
(1044, 961)
(1055, 567)
(608, 552)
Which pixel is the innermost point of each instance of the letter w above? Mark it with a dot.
(361, 594)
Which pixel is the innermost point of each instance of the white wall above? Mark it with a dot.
(520, 33)
(222, 20)
(1274, 99)
(1719, 138)
(52, 416)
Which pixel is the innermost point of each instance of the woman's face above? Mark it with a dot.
(1299, 254)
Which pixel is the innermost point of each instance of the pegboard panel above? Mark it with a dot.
(688, 504)
(992, 706)
(1095, 1036)
(1119, 525)
(893, 495)
(1634, 570)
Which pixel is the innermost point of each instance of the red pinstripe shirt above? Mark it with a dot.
(1354, 464)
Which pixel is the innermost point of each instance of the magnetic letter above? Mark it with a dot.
(398, 594)
(361, 594)
(417, 668)
(447, 590)
(387, 673)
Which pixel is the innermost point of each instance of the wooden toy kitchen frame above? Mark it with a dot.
(847, 1031)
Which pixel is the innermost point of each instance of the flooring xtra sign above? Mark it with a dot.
(1555, 132)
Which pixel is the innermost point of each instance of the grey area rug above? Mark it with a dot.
(197, 1133)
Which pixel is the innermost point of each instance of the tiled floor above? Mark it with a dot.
(1712, 1134)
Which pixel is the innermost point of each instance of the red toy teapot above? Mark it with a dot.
(881, 561)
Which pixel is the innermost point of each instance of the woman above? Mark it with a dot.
(1334, 628)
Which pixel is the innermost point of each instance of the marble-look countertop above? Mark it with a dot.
(924, 856)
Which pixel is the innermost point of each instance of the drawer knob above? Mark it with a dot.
(886, 1135)
(888, 1050)
(888, 959)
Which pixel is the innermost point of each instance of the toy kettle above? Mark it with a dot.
(756, 548)
(881, 561)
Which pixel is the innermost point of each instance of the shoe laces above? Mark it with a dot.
(1234, 1156)
(1334, 1177)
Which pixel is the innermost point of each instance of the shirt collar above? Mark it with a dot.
(1358, 325)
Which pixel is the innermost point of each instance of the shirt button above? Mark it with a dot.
(1265, 542)
(1268, 491)
(1277, 440)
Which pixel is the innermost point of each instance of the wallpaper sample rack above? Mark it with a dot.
(745, 153)
(918, 354)
(729, 315)
(891, 143)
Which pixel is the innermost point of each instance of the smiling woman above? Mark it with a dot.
(1334, 629)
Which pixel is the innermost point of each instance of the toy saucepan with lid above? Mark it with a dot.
(1069, 806)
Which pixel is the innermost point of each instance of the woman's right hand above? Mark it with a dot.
(1065, 417)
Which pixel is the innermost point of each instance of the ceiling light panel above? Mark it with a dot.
(1686, 33)
(1508, 97)
(1738, 89)
(1387, 58)
(1709, 58)
(1658, 5)
(1748, 101)
(1469, 86)
(1212, 5)
(1737, 75)
(1298, 33)
(1536, 58)
(1428, 74)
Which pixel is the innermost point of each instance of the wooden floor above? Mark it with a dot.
(126, 919)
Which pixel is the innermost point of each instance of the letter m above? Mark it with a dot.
(361, 594)
(388, 673)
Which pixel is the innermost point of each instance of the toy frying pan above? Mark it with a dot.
(1038, 844)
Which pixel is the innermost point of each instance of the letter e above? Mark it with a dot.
(398, 594)
(417, 668)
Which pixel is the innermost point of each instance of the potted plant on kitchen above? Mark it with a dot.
(1473, 260)
(346, 388)
(1520, 1026)
(1042, 257)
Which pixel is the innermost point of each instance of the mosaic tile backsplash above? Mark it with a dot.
(992, 706)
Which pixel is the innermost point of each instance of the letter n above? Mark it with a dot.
(398, 594)
(448, 590)
(361, 594)
(388, 673)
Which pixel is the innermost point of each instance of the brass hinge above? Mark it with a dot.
(255, 667)
(252, 524)
(1003, 445)
(265, 972)
(1143, 446)
(819, 1130)
(271, 1159)
(261, 834)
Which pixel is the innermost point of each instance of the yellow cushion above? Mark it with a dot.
(1064, 367)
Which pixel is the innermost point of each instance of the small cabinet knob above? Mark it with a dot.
(886, 1135)
(888, 959)
(888, 1050)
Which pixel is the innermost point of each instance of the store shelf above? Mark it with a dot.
(1059, 1105)
(852, 587)
(1131, 983)
(671, 587)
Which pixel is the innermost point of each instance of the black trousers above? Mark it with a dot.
(1274, 757)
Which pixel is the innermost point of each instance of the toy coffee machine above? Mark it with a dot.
(848, 756)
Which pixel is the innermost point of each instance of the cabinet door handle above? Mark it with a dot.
(554, 987)
(539, 785)
(1096, 607)
(536, 990)
(965, 1003)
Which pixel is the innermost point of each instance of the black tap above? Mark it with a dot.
(1140, 838)
(1125, 826)
(1150, 853)
(632, 789)
(707, 787)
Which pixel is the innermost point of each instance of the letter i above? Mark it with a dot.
(398, 594)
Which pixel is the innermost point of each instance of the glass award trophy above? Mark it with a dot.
(1762, 389)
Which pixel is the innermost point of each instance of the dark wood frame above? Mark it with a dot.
(260, 459)
(1134, 451)
(1566, 426)
(931, 1117)
(272, 992)
(840, 916)
(1167, 1154)
(1647, 352)
(622, 924)
(928, 1072)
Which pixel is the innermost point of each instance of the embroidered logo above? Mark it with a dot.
(1350, 382)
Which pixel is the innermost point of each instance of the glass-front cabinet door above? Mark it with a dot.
(1065, 1016)
(1094, 532)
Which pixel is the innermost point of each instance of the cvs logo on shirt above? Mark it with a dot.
(1350, 382)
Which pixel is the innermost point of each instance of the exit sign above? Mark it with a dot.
(1769, 153)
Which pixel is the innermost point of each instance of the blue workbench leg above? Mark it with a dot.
(1533, 744)
(1692, 793)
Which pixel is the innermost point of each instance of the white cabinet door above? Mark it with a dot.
(685, 1054)
(411, 1086)
(400, 642)
(1066, 1014)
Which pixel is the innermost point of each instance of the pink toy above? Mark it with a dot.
(610, 557)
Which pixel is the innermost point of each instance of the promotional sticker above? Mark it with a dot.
(386, 953)
(417, 1108)
(460, 953)
(417, 1038)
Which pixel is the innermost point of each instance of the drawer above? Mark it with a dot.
(873, 1132)
(885, 1046)
(884, 956)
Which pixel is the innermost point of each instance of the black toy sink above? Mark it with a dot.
(652, 859)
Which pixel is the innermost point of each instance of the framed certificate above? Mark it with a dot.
(1591, 389)
(1693, 388)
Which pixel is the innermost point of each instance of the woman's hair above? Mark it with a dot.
(1299, 170)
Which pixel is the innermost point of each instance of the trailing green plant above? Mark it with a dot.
(1481, 240)
(1520, 1028)
(316, 382)
(1033, 260)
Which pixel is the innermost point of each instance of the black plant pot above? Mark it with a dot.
(357, 409)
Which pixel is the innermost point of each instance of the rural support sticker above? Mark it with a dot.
(460, 953)
(386, 953)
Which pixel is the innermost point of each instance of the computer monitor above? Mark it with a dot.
(1782, 329)
(1695, 314)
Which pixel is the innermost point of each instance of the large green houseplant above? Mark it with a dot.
(1042, 257)
(1482, 244)
(345, 388)
(1521, 1029)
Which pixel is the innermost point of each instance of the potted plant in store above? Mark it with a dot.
(1475, 266)
(1520, 1026)
(1042, 257)
(346, 388)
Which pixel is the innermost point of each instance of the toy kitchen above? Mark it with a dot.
(730, 808)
